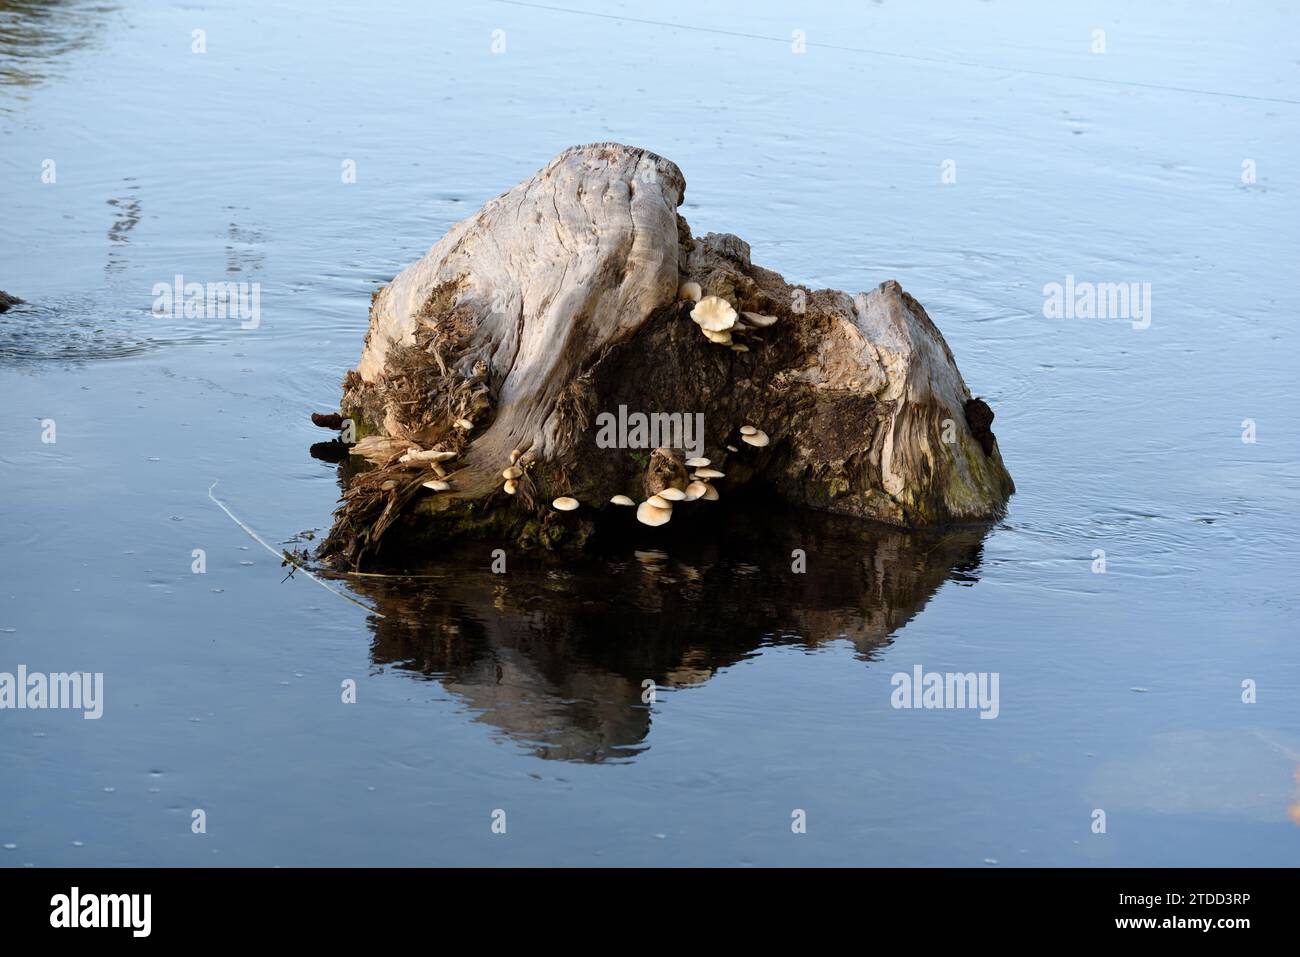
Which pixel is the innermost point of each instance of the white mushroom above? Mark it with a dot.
(713, 314)
(732, 448)
(464, 424)
(718, 338)
(708, 474)
(432, 455)
(672, 494)
(438, 485)
(621, 500)
(698, 463)
(758, 319)
(758, 439)
(695, 490)
(514, 456)
(565, 504)
(510, 487)
(513, 472)
(649, 514)
(748, 430)
(690, 290)
(658, 501)
(710, 493)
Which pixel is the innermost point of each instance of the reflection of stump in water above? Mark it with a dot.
(554, 652)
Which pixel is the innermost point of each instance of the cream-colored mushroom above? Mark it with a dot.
(718, 338)
(432, 455)
(438, 485)
(690, 290)
(732, 448)
(714, 314)
(510, 487)
(708, 474)
(464, 424)
(758, 319)
(739, 347)
(565, 504)
(658, 501)
(710, 493)
(695, 490)
(621, 500)
(513, 472)
(514, 456)
(698, 463)
(758, 439)
(672, 494)
(747, 430)
(648, 514)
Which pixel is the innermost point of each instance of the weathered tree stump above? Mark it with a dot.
(574, 294)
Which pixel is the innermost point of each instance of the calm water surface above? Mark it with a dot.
(1119, 691)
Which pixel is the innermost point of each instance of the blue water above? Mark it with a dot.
(1119, 692)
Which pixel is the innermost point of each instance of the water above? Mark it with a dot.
(1119, 691)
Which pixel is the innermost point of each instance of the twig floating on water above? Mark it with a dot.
(285, 556)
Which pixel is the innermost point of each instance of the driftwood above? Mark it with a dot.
(574, 295)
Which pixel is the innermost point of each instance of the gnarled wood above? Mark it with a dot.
(558, 301)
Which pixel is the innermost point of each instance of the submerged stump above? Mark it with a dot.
(489, 362)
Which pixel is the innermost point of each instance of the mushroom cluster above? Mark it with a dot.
(717, 318)
(433, 459)
(512, 474)
(658, 508)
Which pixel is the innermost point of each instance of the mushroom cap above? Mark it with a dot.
(708, 474)
(513, 472)
(719, 338)
(658, 501)
(648, 514)
(710, 493)
(510, 487)
(621, 500)
(565, 504)
(698, 463)
(714, 314)
(732, 448)
(758, 319)
(748, 430)
(739, 347)
(672, 494)
(464, 424)
(438, 485)
(758, 439)
(695, 490)
(514, 456)
(690, 290)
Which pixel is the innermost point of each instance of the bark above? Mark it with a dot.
(560, 300)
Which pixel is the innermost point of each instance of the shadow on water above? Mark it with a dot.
(37, 38)
(554, 652)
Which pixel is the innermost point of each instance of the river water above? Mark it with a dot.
(977, 152)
